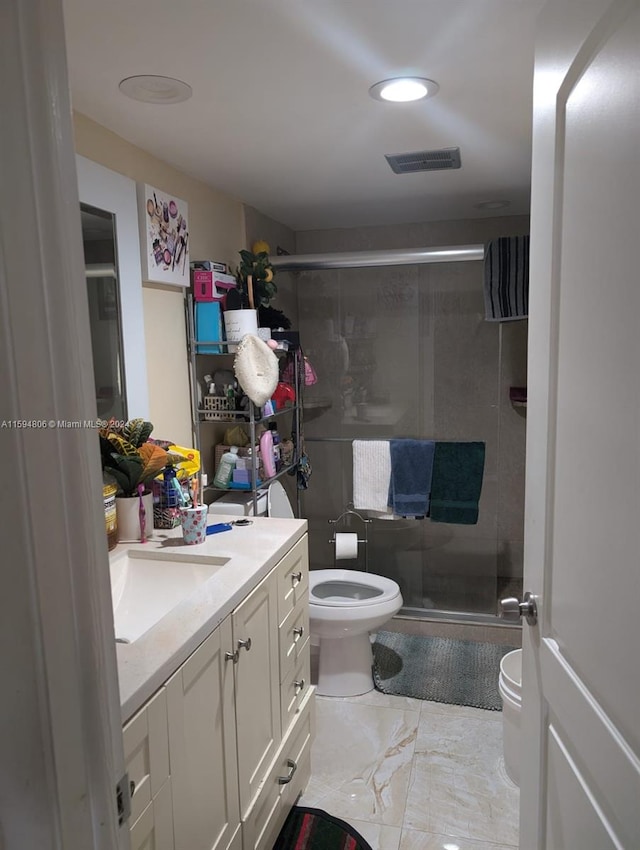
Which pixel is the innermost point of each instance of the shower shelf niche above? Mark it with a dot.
(518, 396)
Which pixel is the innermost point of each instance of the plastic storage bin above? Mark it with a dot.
(510, 687)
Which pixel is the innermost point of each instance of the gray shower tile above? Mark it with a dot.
(505, 635)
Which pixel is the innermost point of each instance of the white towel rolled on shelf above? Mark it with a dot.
(371, 475)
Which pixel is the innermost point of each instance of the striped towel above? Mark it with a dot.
(506, 278)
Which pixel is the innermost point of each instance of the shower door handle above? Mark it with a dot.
(513, 609)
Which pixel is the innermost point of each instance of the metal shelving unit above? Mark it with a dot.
(254, 414)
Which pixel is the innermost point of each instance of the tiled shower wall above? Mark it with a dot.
(405, 351)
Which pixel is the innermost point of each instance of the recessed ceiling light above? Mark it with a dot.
(492, 205)
(404, 89)
(151, 88)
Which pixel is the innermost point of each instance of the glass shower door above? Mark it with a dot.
(405, 351)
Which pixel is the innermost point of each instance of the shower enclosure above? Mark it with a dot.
(405, 351)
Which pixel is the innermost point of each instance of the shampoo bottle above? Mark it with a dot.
(225, 468)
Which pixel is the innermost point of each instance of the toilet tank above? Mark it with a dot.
(239, 503)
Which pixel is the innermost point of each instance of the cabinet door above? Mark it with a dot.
(154, 828)
(146, 752)
(202, 734)
(257, 686)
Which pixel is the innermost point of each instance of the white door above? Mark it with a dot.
(580, 786)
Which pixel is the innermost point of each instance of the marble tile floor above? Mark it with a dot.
(413, 775)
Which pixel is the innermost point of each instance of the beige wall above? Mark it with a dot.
(217, 231)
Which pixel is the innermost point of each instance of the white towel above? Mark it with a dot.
(371, 475)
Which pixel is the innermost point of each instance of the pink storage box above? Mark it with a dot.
(211, 285)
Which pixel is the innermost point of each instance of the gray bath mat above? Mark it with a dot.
(458, 672)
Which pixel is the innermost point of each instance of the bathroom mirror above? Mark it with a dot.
(112, 256)
(98, 240)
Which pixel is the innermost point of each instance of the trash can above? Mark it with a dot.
(510, 687)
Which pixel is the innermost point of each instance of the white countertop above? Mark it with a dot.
(145, 664)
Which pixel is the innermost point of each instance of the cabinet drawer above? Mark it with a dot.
(294, 688)
(146, 752)
(153, 830)
(293, 637)
(293, 578)
(265, 818)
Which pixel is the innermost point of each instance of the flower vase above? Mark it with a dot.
(129, 520)
(238, 323)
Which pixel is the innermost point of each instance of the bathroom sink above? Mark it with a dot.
(147, 585)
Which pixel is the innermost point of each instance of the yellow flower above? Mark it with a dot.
(260, 247)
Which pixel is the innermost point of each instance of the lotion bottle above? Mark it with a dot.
(266, 453)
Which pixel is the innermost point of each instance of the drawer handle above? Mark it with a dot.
(297, 577)
(299, 686)
(132, 788)
(285, 780)
(244, 644)
(299, 631)
(232, 656)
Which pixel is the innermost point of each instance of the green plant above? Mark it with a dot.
(258, 266)
(128, 456)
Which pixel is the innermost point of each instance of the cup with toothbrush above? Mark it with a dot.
(194, 518)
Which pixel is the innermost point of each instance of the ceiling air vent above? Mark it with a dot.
(407, 163)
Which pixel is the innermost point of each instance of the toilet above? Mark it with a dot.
(510, 688)
(344, 607)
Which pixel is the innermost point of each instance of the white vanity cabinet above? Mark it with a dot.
(147, 766)
(222, 750)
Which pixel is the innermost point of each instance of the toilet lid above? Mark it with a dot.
(278, 504)
(342, 588)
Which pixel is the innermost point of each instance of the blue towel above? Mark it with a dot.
(410, 484)
(506, 278)
(457, 482)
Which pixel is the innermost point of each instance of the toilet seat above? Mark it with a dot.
(278, 504)
(349, 588)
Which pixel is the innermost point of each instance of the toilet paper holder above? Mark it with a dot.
(364, 539)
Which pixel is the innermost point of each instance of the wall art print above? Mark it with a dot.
(164, 236)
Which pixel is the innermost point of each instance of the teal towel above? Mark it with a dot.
(456, 482)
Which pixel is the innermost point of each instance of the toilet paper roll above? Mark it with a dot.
(346, 546)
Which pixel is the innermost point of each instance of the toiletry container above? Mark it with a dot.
(266, 453)
(109, 490)
(275, 436)
(268, 409)
(225, 468)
